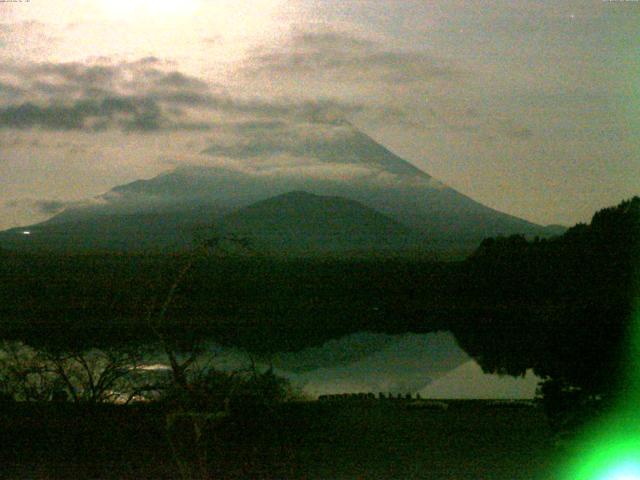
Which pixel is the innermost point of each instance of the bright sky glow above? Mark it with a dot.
(138, 9)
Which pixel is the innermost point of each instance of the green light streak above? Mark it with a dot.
(610, 448)
(614, 451)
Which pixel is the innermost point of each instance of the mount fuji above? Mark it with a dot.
(329, 190)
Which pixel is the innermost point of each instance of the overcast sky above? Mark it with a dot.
(530, 107)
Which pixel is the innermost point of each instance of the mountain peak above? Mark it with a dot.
(303, 223)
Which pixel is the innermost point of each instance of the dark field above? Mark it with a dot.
(311, 440)
(261, 304)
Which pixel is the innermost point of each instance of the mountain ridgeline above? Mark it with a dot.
(300, 222)
(343, 194)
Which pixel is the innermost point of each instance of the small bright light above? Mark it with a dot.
(26, 232)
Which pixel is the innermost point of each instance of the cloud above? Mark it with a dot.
(516, 132)
(75, 80)
(76, 95)
(343, 57)
(249, 140)
(384, 84)
(50, 207)
(14, 35)
(8, 91)
(42, 206)
(485, 125)
(328, 142)
(129, 113)
(334, 152)
(316, 77)
(144, 95)
(387, 85)
(180, 81)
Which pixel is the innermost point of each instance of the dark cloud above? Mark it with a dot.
(317, 111)
(10, 91)
(256, 141)
(75, 78)
(346, 57)
(466, 121)
(129, 113)
(330, 40)
(189, 99)
(179, 80)
(77, 73)
(146, 61)
(50, 207)
(147, 114)
(259, 125)
(72, 96)
(150, 95)
(28, 115)
(354, 76)
(314, 146)
(78, 79)
(322, 111)
(512, 130)
(519, 133)
(489, 127)
(136, 96)
(43, 207)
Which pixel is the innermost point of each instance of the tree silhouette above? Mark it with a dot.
(562, 307)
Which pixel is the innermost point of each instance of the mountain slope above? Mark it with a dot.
(468, 381)
(145, 231)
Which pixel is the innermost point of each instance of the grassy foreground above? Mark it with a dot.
(310, 440)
